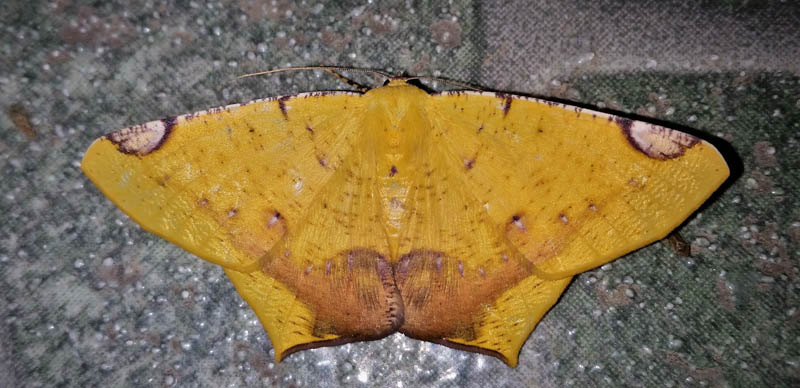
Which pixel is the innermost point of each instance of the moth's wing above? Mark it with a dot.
(329, 280)
(462, 283)
(226, 183)
(229, 183)
(574, 188)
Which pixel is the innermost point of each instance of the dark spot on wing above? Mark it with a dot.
(169, 124)
(323, 160)
(162, 181)
(282, 105)
(625, 125)
(507, 100)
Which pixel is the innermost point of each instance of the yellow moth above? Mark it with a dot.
(456, 217)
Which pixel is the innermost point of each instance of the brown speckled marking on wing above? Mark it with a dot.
(144, 138)
(282, 106)
(434, 285)
(655, 141)
(353, 295)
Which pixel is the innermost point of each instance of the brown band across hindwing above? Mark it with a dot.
(358, 295)
(442, 299)
(353, 295)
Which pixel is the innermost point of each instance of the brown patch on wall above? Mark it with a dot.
(22, 120)
(764, 154)
(783, 266)
(275, 11)
(617, 296)
(763, 182)
(335, 40)
(119, 274)
(678, 244)
(725, 295)
(446, 33)
(794, 234)
(379, 24)
(89, 28)
(713, 374)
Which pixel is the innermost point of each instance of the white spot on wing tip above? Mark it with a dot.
(656, 141)
(139, 139)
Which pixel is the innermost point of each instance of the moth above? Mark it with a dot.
(456, 217)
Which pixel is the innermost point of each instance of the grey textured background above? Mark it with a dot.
(89, 299)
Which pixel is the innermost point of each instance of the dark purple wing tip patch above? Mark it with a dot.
(655, 141)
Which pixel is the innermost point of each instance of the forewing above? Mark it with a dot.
(226, 183)
(275, 192)
(462, 283)
(574, 188)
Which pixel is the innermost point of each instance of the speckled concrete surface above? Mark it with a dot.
(89, 299)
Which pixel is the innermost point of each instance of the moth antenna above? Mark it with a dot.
(447, 81)
(326, 68)
(330, 69)
(361, 88)
(335, 71)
